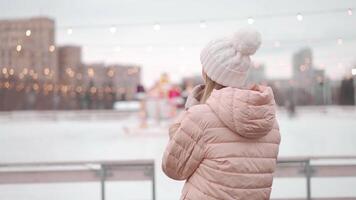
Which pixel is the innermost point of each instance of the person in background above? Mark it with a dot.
(174, 98)
(225, 144)
(141, 96)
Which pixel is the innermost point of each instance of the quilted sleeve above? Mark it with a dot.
(185, 149)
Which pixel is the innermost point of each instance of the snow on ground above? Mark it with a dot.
(312, 132)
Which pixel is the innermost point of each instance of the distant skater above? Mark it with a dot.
(225, 143)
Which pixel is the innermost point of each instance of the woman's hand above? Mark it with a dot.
(194, 97)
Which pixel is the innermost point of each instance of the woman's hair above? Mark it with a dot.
(210, 85)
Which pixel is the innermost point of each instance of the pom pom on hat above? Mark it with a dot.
(227, 60)
(246, 41)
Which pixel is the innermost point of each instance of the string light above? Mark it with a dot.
(69, 31)
(156, 27)
(340, 41)
(46, 71)
(353, 71)
(349, 11)
(113, 29)
(18, 48)
(250, 20)
(4, 70)
(299, 17)
(51, 48)
(28, 33)
(91, 72)
(11, 71)
(111, 73)
(202, 24)
(258, 16)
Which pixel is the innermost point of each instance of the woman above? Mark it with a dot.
(225, 144)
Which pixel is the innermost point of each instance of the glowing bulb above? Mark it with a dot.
(299, 17)
(28, 33)
(113, 29)
(111, 73)
(91, 72)
(340, 41)
(51, 48)
(69, 31)
(46, 71)
(349, 11)
(156, 27)
(11, 71)
(182, 48)
(202, 24)
(18, 48)
(250, 20)
(4, 70)
(353, 71)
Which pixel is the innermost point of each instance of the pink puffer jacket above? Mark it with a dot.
(227, 148)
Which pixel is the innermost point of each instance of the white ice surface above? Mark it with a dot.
(310, 133)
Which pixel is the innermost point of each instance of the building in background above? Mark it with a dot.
(37, 74)
(310, 84)
(28, 43)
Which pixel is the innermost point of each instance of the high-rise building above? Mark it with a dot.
(69, 64)
(36, 74)
(125, 78)
(29, 44)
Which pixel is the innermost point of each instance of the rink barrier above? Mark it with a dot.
(83, 171)
(144, 170)
(65, 115)
(320, 166)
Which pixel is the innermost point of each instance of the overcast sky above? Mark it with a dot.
(176, 47)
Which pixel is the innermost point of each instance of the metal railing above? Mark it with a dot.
(76, 115)
(144, 170)
(321, 166)
(93, 171)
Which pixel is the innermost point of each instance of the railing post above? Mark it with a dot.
(308, 174)
(153, 183)
(102, 181)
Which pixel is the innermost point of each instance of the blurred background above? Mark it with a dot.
(89, 88)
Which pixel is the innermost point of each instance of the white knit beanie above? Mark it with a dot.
(227, 60)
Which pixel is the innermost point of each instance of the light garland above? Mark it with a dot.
(203, 23)
(148, 47)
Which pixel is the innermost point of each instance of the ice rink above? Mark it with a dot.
(313, 132)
